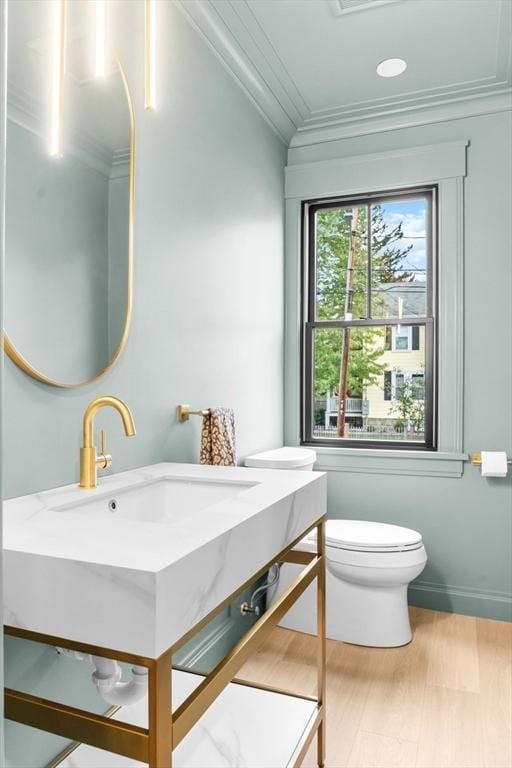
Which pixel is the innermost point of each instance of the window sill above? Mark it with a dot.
(389, 462)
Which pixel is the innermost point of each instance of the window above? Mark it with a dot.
(404, 339)
(402, 383)
(369, 321)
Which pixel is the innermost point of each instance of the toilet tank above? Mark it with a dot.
(288, 457)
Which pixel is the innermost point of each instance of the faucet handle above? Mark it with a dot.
(104, 459)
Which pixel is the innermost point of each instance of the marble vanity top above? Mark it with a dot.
(137, 576)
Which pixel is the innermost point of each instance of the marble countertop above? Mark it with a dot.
(139, 586)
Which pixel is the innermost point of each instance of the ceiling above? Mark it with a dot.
(96, 111)
(310, 64)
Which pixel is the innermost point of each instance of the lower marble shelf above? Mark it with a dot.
(244, 728)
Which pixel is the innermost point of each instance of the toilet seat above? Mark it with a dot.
(365, 536)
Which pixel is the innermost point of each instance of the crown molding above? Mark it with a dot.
(121, 156)
(342, 7)
(407, 118)
(418, 99)
(24, 111)
(239, 17)
(120, 168)
(500, 81)
(232, 31)
(204, 16)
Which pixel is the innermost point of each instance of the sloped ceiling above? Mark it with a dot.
(309, 65)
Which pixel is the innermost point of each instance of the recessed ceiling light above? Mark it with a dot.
(391, 67)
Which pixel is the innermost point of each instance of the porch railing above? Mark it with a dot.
(353, 405)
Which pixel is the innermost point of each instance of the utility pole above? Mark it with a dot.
(345, 346)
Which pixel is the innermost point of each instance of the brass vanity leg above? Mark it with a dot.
(321, 644)
(160, 712)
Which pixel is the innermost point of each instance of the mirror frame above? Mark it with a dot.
(9, 348)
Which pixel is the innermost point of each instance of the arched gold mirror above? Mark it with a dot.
(69, 218)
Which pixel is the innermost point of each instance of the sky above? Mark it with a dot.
(412, 213)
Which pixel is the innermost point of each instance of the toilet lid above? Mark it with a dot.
(289, 457)
(370, 537)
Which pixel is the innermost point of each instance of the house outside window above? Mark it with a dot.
(399, 382)
(402, 337)
(369, 330)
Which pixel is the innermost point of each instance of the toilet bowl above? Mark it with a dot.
(369, 567)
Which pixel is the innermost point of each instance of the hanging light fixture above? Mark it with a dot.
(58, 65)
(149, 54)
(100, 38)
(58, 56)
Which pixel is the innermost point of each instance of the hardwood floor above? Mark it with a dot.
(443, 701)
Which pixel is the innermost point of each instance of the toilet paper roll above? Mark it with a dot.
(494, 464)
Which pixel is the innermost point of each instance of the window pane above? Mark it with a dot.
(399, 258)
(341, 244)
(418, 386)
(383, 386)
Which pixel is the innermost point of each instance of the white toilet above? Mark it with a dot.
(369, 567)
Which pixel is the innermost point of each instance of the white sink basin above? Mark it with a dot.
(164, 500)
(181, 539)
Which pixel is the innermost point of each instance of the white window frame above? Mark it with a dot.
(408, 375)
(395, 332)
(443, 165)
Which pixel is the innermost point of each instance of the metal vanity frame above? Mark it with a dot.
(167, 728)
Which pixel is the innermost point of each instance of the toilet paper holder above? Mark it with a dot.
(476, 459)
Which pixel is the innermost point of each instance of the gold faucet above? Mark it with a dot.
(90, 462)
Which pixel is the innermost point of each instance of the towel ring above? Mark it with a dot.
(183, 412)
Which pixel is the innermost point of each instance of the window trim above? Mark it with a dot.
(394, 333)
(407, 376)
(309, 322)
(443, 164)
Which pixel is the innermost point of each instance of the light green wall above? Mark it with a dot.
(208, 313)
(208, 306)
(466, 523)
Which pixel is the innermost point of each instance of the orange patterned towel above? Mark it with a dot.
(218, 438)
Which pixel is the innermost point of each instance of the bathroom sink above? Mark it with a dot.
(137, 562)
(163, 500)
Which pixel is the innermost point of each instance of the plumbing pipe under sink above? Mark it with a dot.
(106, 677)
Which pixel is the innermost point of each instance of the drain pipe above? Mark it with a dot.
(106, 677)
